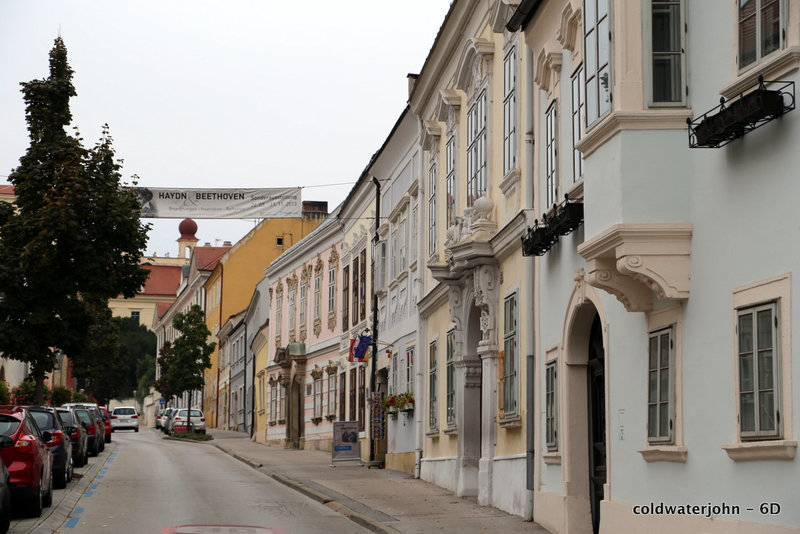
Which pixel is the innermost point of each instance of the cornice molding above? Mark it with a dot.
(617, 121)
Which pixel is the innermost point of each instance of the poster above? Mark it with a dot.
(346, 445)
(166, 203)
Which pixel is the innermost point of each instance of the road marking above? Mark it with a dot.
(72, 522)
(88, 494)
(78, 511)
(93, 486)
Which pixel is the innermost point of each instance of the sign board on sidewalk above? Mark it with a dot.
(270, 203)
(345, 446)
(378, 416)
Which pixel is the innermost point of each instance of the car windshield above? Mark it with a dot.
(195, 413)
(8, 425)
(124, 411)
(43, 419)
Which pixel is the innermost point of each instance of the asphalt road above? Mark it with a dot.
(145, 484)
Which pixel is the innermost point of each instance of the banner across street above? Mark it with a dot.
(167, 203)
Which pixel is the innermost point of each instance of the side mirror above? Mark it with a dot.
(46, 436)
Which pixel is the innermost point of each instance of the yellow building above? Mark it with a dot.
(230, 287)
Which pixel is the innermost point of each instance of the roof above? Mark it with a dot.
(161, 307)
(163, 280)
(206, 258)
(6, 189)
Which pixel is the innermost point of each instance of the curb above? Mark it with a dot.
(320, 497)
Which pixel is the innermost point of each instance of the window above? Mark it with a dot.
(660, 386)
(342, 393)
(432, 419)
(450, 185)
(410, 370)
(510, 111)
(363, 285)
(352, 394)
(345, 298)
(760, 25)
(551, 406)
(403, 237)
(292, 316)
(394, 377)
(510, 355)
(551, 156)
(432, 207)
(598, 72)
(302, 305)
(450, 395)
(476, 149)
(331, 290)
(362, 396)
(318, 396)
(331, 395)
(412, 247)
(355, 290)
(135, 315)
(759, 371)
(667, 51)
(278, 316)
(578, 112)
(380, 258)
(282, 392)
(273, 402)
(317, 296)
(395, 264)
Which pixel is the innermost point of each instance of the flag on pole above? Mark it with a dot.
(360, 352)
(352, 347)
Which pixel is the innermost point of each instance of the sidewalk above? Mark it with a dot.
(381, 500)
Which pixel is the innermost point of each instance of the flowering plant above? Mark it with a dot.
(401, 401)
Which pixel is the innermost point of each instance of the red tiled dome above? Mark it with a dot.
(188, 228)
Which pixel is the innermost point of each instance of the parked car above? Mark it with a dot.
(166, 419)
(77, 435)
(29, 461)
(124, 417)
(5, 500)
(60, 445)
(160, 416)
(181, 419)
(107, 428)
(90, 425)
(99, 423)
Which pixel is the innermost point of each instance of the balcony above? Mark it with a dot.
(733, 119)
(566, 218)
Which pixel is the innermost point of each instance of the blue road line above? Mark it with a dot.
(89, 494)
(93, 486)
(99, 476)
(77, 511)
(72, 522)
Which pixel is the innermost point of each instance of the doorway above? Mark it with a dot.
(595, 378)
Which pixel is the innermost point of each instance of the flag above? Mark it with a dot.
(360, 352)
(352, 346)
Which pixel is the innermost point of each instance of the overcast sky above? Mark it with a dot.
(226, 93)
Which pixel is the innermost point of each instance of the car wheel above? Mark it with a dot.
(35, 504)
(47, 499)
(80, 461)
(102, 445)
(70, 470)
(136, 429)
(108, 437)
(86, 456)
(60, 479)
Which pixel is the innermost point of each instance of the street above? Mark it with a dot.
(143, 483)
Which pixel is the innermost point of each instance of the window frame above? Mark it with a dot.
(658, 402)
(758, 433)
(648, 55)
(317, 297)
(432, 178)
(510, 110)
(578, 82)
(433, 420)
(551, 155)
(450, 390)
(594, 52)
(510, 355)
(450, 179)
(477, 156)
(303, 291)
(332, 378)
(331, 290)
(410, 369)
(318, 396)
(551, 405)
(760, 58)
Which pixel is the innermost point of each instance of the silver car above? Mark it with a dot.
(180, 419)
(124, 417)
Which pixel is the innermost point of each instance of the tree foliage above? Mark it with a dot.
(75, 238)
(190, 352)
(140, 344)
(164, 362)
(60, 395)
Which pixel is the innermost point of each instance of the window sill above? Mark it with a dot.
(575, 192)
(432, 434)
(316, 420)
(761, 450)
(271, 423)
(261, 412)
(774, 68)
(664, 453)
(330, 417)
(552, 458)
(513, 421)
(451, 430)
(281, 421)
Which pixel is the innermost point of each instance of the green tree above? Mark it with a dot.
(191, 353)
(74, 238)
(5, 393)
(100, 365)
(141, 345)
(60, 395)
(146, 371)
(164, 362)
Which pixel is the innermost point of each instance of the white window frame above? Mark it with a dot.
(450, 180)
(393, 378)
(273, 402)
(278, 315)
(433, 406)
(332, 394)
(432, 172)
(410, 370)
(318, 397)
(759, 55)
(317, 297)
(331, 290)
(476, 149)
(551, 405)
(395, 263)
(596, 30)
(649, 54)
(510, 111)
(292, 309)
(402, 235)
(303, 291)
(578, 123)
(755, 348)
(412, 251)
(450, 390)
(660, 399)
(551, 155)
(510, 355)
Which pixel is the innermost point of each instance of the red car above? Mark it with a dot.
(107, 419)
(23, 449)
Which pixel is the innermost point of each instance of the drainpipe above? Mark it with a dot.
(373, 363)
(530, 337)
(419, 388)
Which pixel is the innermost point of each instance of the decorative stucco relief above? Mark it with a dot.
(571, 22)
(548, 70)
(486, 295)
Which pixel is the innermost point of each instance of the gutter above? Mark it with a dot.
(522, 15)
